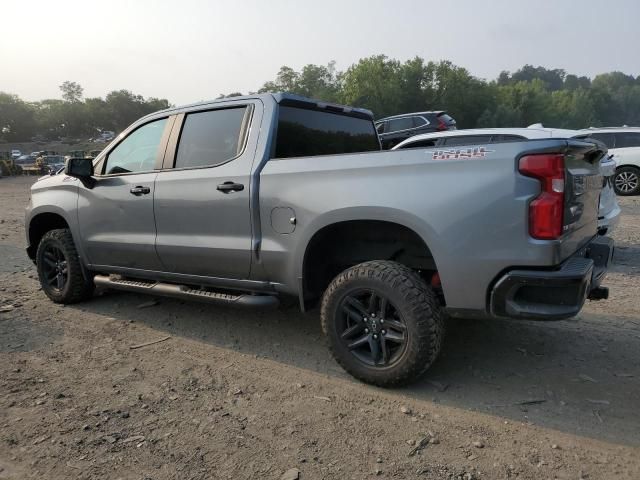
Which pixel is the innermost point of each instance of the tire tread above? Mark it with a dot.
(80, 288)
(422, 304)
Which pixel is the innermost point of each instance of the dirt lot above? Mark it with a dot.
(237, 394)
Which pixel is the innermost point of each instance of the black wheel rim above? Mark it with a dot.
(54, 268)
(371, 328)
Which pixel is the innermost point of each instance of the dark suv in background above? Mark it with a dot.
(393, 130)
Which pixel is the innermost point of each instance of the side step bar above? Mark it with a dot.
(185, 292)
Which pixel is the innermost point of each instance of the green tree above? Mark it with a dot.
(553, 79)
(572, 109)
(286, 81)
(71, 91)
(374, 83)
(17, 118)
(314, 81)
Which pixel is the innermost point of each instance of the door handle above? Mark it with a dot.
(230, 187)
(140, 190)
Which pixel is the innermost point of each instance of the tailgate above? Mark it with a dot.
(583, 184)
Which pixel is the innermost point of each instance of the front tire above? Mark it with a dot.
(59, 269)
(383, 324)
(626, 181)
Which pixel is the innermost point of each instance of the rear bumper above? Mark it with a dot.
(553, 294)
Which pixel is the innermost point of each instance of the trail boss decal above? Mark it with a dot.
(454, 154)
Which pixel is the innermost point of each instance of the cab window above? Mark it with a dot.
(137, 152)
(211, 138)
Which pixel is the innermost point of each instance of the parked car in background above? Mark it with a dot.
(15, 153)
(393, 130)
(609, 210)
(24, 160)
(624, 144)
(104, 137)
(54, 162)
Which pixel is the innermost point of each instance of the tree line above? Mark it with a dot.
(384, 85)
(515, 99)
(72, 116)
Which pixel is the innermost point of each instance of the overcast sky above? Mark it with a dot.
(190, 50)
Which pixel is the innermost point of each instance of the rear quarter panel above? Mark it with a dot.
(471, 212)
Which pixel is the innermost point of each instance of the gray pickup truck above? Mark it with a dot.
(246, 200)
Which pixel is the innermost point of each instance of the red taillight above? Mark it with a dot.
(441, 125)
(546, 211)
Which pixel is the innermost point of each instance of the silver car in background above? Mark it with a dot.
(609, 210)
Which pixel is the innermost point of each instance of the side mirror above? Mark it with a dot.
(82, 169)
(79, 168)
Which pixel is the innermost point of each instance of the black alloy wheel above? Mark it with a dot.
(55, 269)
(59, 269)
(384, 325)
(372, 328)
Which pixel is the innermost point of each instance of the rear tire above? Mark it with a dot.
(383, 324)
(626, 181)
(59, 269)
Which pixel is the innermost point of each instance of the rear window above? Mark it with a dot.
(419, 121)
(400, 124)
(446, 118)
(305, 133)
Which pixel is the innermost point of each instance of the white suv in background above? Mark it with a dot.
(624, 144)
(609, 212)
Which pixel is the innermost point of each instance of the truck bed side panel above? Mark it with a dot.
(472, 212)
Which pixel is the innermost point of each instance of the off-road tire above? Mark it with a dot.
(411, 296)
(77, 287)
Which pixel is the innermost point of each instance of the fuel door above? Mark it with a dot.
(283, 220)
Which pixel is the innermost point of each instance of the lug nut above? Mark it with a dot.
(373, 314)
(375, 337)
(366, 330)
(382, 320)
(384, 332)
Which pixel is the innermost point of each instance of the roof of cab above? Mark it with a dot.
(283, 98)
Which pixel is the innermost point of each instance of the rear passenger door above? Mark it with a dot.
(202, 208)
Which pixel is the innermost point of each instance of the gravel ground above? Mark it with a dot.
(254, 394)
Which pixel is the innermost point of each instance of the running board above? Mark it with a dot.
(185, 292)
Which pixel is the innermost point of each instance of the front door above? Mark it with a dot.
(202, 205)
(116, 215)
